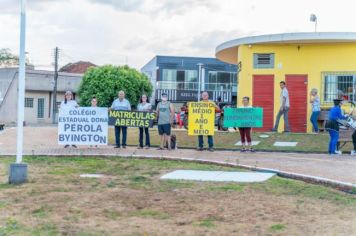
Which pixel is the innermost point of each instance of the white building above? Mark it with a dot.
(38, 94)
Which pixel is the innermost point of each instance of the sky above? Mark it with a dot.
(134, 31)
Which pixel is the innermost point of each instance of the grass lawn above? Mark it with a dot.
(306, 142)
(131, 200)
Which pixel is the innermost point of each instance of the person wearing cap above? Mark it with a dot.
(120, 104)
(332, 126)
(205, 98)
(68, 103)
(165, 114)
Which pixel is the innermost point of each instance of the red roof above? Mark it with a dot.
(79, 67)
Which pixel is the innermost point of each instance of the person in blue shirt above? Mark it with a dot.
(333, 126)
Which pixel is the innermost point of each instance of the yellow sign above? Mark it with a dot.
(201, 118)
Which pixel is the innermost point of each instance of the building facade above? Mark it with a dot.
(325, 61)
(38, 94)
(179, 78)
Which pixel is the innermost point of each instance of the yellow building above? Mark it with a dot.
(325, 61)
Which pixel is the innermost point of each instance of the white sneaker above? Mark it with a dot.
(338, 152)
(353, 153)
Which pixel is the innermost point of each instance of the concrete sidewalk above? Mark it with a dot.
(43, 141)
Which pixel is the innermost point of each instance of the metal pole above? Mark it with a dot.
(21, 84)
(316, 22)
(200, 65)
(54, 108)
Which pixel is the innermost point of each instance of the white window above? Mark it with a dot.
(340, 85)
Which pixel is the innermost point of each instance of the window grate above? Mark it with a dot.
(40, 108)
(263, 60)
(338, 85)
(29, 102)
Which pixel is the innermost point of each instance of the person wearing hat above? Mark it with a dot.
(165, 114)
(68, 103)
(332, 126)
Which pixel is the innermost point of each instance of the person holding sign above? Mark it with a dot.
(205, 98)
(121, 104)
(165, 113)
(144, 105)
(94, 103)
(68, 103)
(245, 132)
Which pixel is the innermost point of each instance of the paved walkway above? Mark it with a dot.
(43, 141)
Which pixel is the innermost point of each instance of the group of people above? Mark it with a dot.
(165, 117)
(314, 100)
(165, 112)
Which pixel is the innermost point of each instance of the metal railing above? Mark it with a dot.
(341, 85)
(194, 86)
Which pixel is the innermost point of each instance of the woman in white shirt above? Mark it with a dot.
(68, 103)
(144, 105)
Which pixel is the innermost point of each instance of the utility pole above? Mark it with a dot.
(56, 51)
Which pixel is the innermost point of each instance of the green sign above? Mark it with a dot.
(243, 117)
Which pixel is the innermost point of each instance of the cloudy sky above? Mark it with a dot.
(134, 31)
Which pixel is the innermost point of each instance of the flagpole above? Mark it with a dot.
(18, 170)
(21, 84)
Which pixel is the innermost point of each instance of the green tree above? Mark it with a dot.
(7, 58)
(104, 83)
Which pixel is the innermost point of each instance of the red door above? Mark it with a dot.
(297, 86)
(263, 92)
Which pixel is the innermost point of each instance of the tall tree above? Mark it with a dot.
(7, 58)
(104, 82)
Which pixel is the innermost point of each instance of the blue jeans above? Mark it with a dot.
(201, 141)
(283, 113)
(314, 120)
(334, 137)
(117, 135)
(147, 136)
